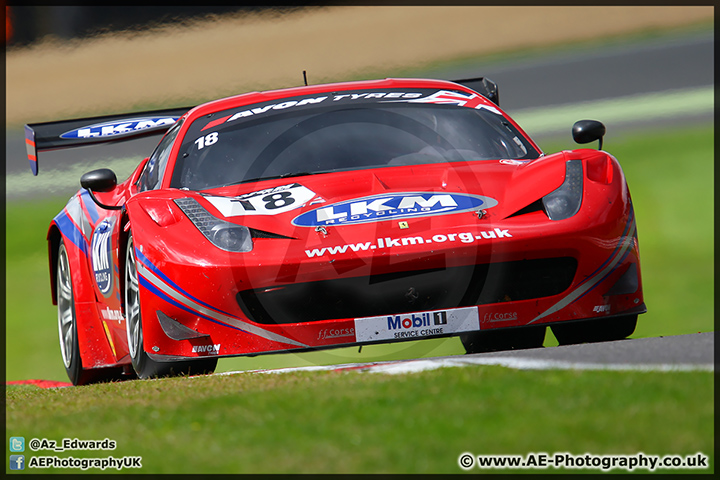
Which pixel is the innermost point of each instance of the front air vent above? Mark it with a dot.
(536, 206)
(411, 291)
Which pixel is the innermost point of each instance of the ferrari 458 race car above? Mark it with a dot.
(333, 215)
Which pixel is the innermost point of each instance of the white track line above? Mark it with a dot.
(421, 365)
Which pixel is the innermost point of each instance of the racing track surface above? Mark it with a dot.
(675, 353)
(603, 72)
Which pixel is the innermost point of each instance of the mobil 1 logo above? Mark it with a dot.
(417, 325)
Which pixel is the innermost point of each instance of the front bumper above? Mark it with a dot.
(293, 298)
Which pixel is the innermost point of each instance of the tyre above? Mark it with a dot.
(67, 329)
(144, 366)
(504, 339)
(595, 330)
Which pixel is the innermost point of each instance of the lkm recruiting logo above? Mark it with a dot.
(102, 255)
(119, 127)
(391, 207)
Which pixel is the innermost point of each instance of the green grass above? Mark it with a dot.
(670, 174)
(32, 349)
(671, 182)
(333, 422)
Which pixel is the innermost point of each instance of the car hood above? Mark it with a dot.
(281, 206)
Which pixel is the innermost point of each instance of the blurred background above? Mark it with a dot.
(65, 61)
(27, 24)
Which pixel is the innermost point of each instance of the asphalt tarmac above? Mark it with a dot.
(673, 353)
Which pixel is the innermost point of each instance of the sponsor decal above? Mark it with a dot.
(601, 309)
(283, 105)
(388, 242)
(442, 97)
(101, 255)
(467, 100)
(500, 317)
(335, 333)
(206, 348)
(119, 127)
(109, 314)
(275, 106)
(417, 325)
(393, 96)
(271, 201)
(392, 206)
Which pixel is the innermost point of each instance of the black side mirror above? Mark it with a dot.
(101, 180)
(586, 131)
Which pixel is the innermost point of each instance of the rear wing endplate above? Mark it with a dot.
(92, 130)
(484, 86)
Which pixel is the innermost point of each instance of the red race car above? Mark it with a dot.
(335, 215)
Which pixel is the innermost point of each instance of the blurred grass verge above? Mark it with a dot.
(354, 422)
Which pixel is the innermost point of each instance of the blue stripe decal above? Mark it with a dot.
(219, 318)
(145, 261)
(619, 264)
(591, 281)
(630, 223)
(71, 231)
(90, 206)
(159, 293)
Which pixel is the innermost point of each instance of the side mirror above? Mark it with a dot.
(102, 180)
(586, 131)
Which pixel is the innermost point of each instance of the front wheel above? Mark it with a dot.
(505, 339)
(595, 330)
(144, 366)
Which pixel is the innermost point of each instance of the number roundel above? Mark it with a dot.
(207, 140)
(271, 201)
(278, 200)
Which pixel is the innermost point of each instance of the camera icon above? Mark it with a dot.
(17, 444)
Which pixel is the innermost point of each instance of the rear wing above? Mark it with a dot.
(484, 86)
(112, 128)
(92, 130)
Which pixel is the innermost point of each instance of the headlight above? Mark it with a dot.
(224, 235)
(565, 201)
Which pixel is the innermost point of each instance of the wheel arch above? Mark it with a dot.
(125, 229)
(53, 239)
(95, 351)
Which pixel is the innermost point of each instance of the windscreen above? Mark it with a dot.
(343, 131)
